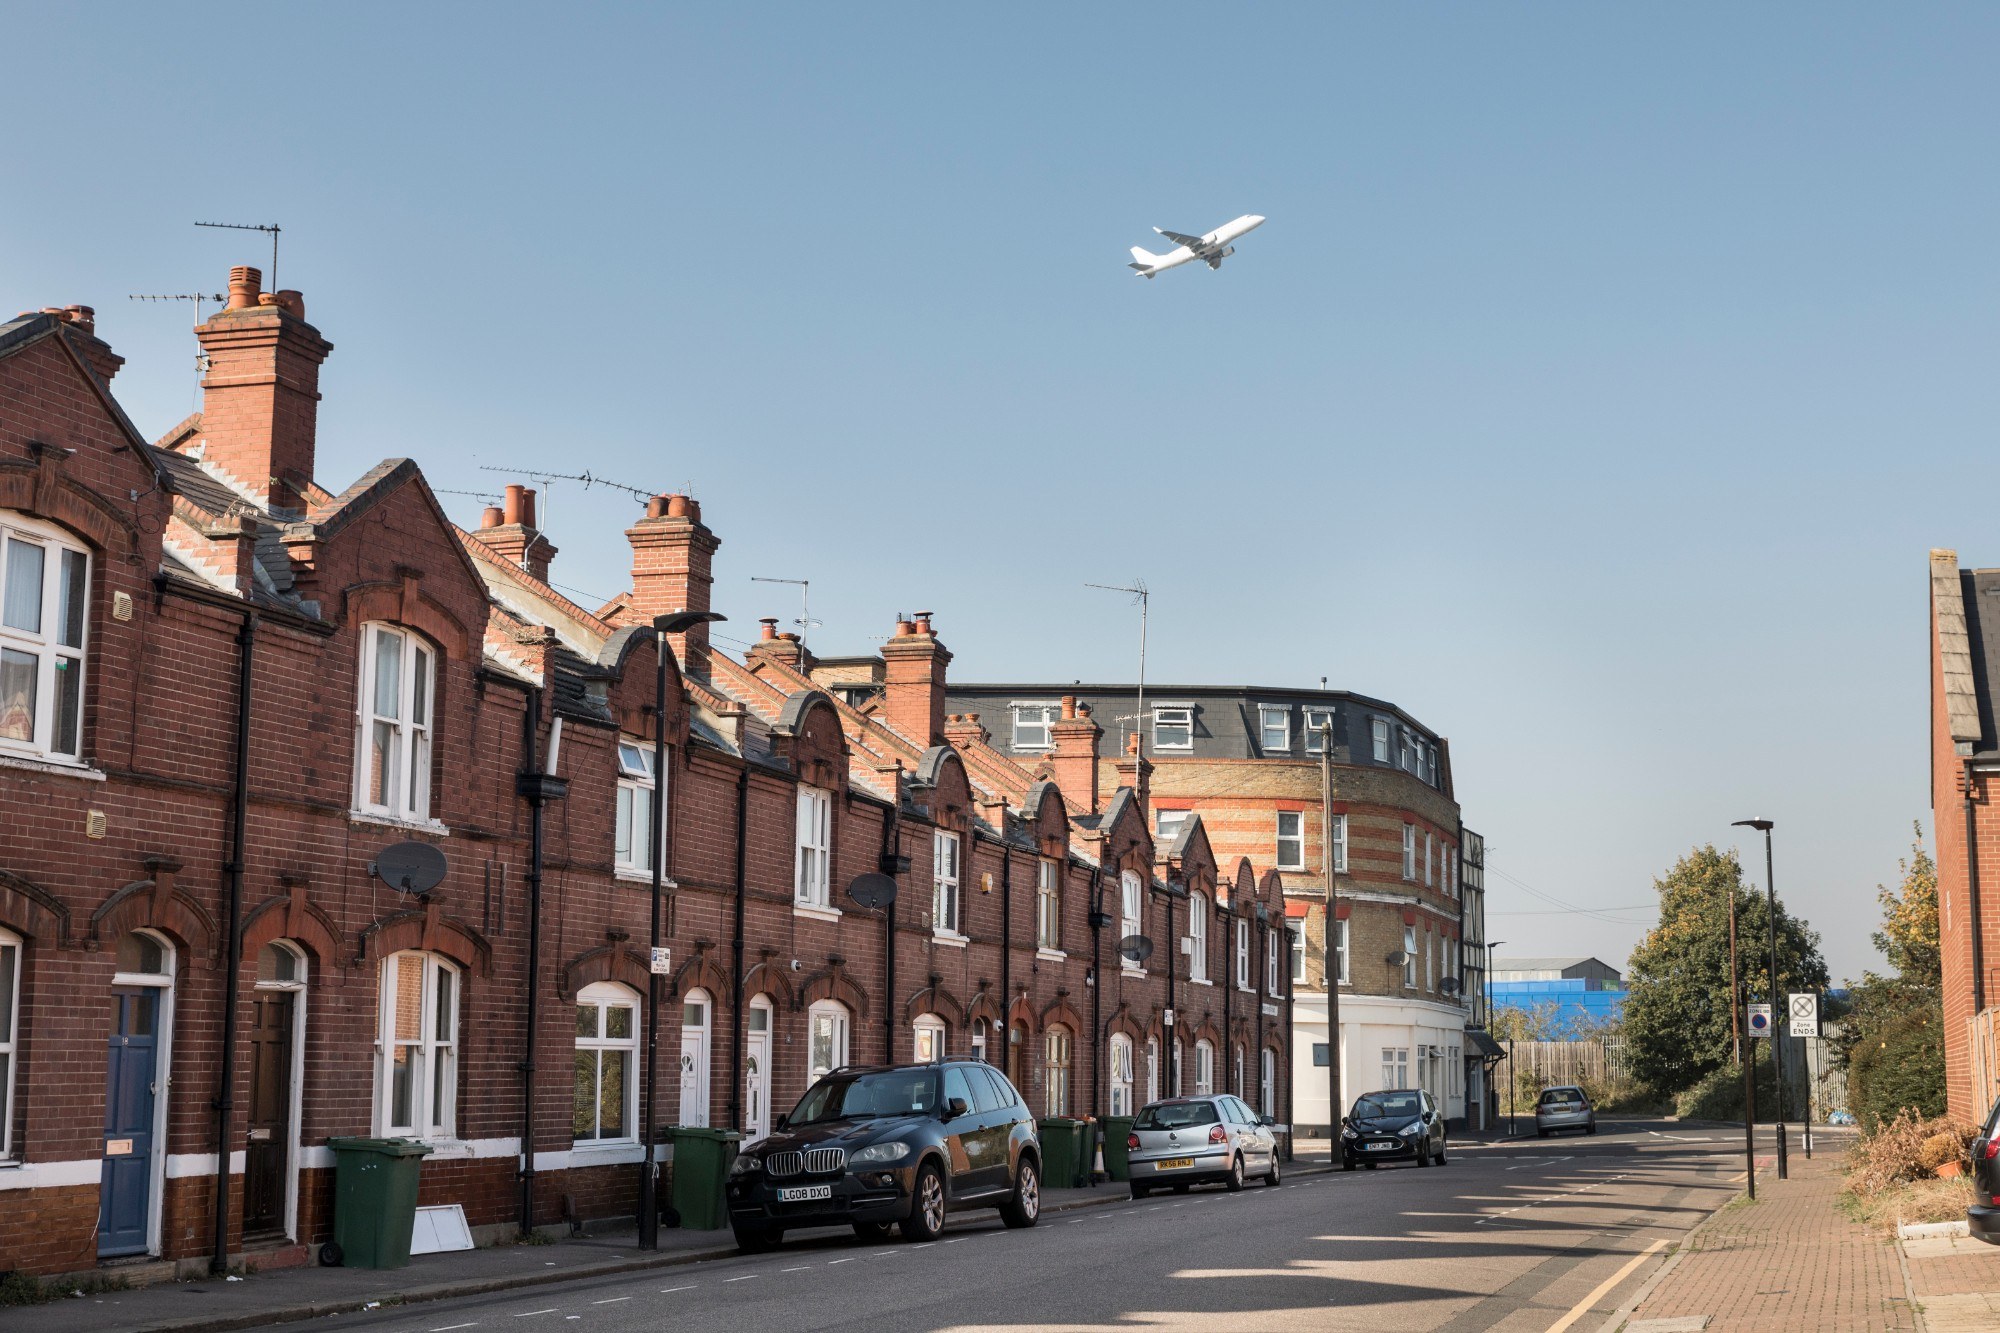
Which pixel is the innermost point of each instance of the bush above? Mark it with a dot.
(1907, 1148)
(1719, 1095)
(1898, 1069)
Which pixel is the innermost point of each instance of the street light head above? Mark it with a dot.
(679, 622)
(1761, 825)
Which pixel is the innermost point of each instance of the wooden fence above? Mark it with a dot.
(1596, 1062)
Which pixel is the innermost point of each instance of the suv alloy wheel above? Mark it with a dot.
(1025, 1207)
(927, 1207)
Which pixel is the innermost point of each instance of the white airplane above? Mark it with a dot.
(1211, 249)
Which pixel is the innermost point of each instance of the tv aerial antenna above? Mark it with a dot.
(200, 299)
(273, 229)
(588, 479)
(805, 622)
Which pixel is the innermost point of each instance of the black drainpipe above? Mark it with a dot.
(1332, 1053)
(232, 984)
(892, 848)
(538, 789)
(1173, 1088)
(1228, 991)
(1972, 894)
(1006, 956)
(736, 952)
(1259, 954)
(1096, 988)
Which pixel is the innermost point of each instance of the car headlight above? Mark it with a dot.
(1347, 1132)
(1414, 1127)
(744, 1165)
(880, 1152)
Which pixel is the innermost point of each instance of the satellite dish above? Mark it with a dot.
(413, 867)
(1135, 947)
(1397, 959)
(872, 890)
(1449, 985)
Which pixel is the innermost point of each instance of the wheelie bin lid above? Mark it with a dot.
(381, 1147)
(670, 1132)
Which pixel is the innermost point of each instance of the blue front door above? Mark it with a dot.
(131, 1087)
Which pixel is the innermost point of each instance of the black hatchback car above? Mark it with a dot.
(1982, 1219)
(1398, 1125)
(901, 1144)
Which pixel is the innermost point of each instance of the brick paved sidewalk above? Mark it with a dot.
(1792, 1262)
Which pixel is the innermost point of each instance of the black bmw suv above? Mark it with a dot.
(867, 1147)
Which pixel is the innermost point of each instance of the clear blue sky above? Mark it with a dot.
(1595, 391)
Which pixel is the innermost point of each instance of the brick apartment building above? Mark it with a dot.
(1246, 763)
(1965, 821)
(225, 690)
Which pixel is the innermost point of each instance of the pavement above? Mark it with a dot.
(1513, 1235)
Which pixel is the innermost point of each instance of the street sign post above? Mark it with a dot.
(1760, 1020)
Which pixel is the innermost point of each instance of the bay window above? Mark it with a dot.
(393, 775)
(44, 615)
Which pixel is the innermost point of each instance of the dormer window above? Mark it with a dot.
(1173, 728)
(44, 604)
(393, 777)
(1031, 726)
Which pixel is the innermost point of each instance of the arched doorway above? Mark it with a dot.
(697, 1022)
(139, 1054)
(270, 1150)
(757, 1070)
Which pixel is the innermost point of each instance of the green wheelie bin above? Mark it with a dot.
(702, 1158)
(374, 1201)
(1062, 1152)
(1117, 1133)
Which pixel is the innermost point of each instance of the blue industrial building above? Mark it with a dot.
(1587, 994)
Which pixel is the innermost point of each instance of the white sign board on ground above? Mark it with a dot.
(1804, 1014)
(1760, 1020)
(440, 1229)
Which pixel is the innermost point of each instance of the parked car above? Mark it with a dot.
(903, 1144)
(1187, 1141)
(1401, 1124)
(1982, 1219)
(1564, 1108)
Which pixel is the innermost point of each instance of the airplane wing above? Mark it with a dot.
(1192, 242)
(1214, 261)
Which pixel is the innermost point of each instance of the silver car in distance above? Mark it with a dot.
(1184, 1141)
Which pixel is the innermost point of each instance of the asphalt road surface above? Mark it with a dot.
(1531, 1234)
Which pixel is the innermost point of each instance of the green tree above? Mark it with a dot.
(1891, 1037)
(1678, 1012)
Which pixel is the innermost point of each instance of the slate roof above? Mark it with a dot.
(1961, 601)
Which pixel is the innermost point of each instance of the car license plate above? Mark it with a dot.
(803, 1193)
(1377, 1147)
(1173, 1164)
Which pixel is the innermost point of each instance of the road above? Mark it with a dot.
(1513, 1236)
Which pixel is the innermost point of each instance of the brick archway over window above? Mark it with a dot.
(292, 916)
(431, 931)
(404, 603)
(607, 962)
(159, 903)
(700, 972)
(30, 910)
(764, 979)
(833, 984)
(935, 999)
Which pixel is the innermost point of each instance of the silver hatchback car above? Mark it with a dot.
(1564, 1108)
(1186, 1141)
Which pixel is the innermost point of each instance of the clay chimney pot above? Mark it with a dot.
(656, 507)
(527, 507)
(677, 506)
(245, 281)
(293, 301)
(492, 518)
(923, 622)
(770, 624)
(83, 316)
(513, 511)
(1069, 705)
(789, 637)
(904, 629)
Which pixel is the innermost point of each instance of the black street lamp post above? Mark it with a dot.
(1765, 826)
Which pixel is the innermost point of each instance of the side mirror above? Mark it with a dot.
(1266, 1121)
(954, 1108)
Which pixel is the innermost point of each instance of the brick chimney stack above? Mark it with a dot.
(260, 397)
(786, 647)
(1075, 737)
(510, 531)
(673, 555)
(913, 665)
(1136, 771)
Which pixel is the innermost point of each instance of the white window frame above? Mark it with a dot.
(1204, 1068)
(1167, 825)
(1176, 716)
(407, 731)
(697, 1091)
(1239, 1089)
(1296, 860)
(840, 1025)
(1395, 1067)
(1177, 1071)
(1242, 954)
(812, 874)
(1267, 1081)
(1430, 878)
(1430, 959)
(1152, 1069)
(1315, 720)
(1340, 954)
(946, 872)
(1283, 714)
(1131, 911)
(1121, 1075)
(1339, 844)
(927, 1038)
(56, 662)
(1273, 949)
(432, 1051)
(13, 952)
(1410, 852)
(981, 1035)
(603, 997)
(1298, 959)
(1049, 712)
(635, 843)
(1409, 957)
(1378, 740)
(1197, 934)
(1048, 903)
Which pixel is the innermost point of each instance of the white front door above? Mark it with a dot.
(695, 1012)
(757, 1072)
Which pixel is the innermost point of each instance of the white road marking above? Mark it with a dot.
(449, 1327)
(850, 1259)
(611, 1300)
(525, 1313)
(668, 1291)
(802, 1268)
(953, 1241)
(745, 1278)
(1532, 1160)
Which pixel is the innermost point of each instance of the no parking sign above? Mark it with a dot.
(1760, 1020)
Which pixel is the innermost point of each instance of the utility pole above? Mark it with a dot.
(1333, 1090)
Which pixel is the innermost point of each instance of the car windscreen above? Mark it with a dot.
(1176, 1115)
(857, 1097)
(1378, 1104)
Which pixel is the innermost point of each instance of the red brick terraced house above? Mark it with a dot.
(226, 690)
